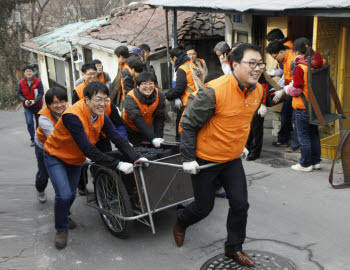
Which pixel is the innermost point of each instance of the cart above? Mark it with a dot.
(121, 199)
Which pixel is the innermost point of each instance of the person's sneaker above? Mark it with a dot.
(71, 224)
(42, 196)
(291, 150)
(317, 166)
(32, 143)
(61, 239)
(298, 167)
(220, 193)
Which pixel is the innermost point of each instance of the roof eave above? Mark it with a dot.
(322, 12)
(61, 58)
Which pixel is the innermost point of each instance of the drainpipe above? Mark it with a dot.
(174, 28)
(72, 60)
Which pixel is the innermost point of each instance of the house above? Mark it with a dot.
(324, 22)
(53, 52)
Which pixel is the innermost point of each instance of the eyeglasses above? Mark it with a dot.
(91, 74)
(149, 84)
(253, 65)
(100, 100)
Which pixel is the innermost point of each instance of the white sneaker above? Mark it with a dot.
(298, 167)
(42, 197)
(317, 166)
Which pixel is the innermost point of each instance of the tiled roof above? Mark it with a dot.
(202, 25)
(134, 25)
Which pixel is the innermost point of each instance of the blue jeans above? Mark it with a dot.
(309, 139)
(65, 179)
(41, 177)
(29, 114)
(294, 142)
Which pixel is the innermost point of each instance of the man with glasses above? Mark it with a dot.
(72, 141)
(89, 73)
(215, 128)
(144, 111)
(56, 103)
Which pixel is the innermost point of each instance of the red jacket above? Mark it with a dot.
(29, 93)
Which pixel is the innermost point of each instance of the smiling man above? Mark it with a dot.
(144, 111)
(215, 128)
(74, 139)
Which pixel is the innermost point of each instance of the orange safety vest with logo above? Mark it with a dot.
(146, 111)
(287, 69)
(101, 77)
(191, 88)
(297, 102)
(45, 111)
(125, 65)
(80, 90)
(224, 136)
(61, 144)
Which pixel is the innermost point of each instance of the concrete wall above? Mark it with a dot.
(157, 68)
(109, 61)
(43, 71)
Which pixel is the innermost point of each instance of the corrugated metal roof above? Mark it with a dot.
(252, 5)
(54, 43)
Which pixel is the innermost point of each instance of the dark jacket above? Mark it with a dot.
(181, 81)
(133, 112)
(128, 80)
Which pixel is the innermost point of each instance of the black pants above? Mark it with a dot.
(285, 132)
(256, 136)
(232, 177)
(178, 118)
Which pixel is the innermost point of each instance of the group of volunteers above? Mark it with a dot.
(219, 119)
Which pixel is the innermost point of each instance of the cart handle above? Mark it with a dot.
(209, 165)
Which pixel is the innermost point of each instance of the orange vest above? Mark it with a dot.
(289, 44)
(45, 111)
(80, 94)
(61, 144)
(125, 65)
(101, 78)
(80, 90)
(287, 69)
(191, 88)
(297, 102)
(224, 136)
(146, 111)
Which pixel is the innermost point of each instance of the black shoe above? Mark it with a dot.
(251, 158)
(81, 192)
(277, 144)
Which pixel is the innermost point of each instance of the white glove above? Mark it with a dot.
(245, 153)
(285, 88)
(278, 95)
(271, 72)
(157, 142)
(125, 167)
(190, 167)
(144, 161)
(275, 72)
(281, 82)
(178, 103)
(262, 110)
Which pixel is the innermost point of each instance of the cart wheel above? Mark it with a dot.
(113, 199)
